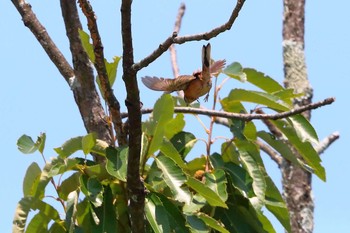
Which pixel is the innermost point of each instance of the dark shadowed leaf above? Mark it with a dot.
(156, 214)
(117, 162)
(183, 142)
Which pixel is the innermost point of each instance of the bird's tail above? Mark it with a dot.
(206, 60)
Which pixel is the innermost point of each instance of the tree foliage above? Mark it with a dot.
(182, 194)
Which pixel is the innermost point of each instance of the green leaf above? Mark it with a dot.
(276, 205)
(262, 81)
(116, 164)
(304, 129)
(69, 185)
(235, 70)
(21, 214)
(31, 180)
(71, 210)
(269, 100)
(41, 142)
(174, 177)
(109, 224)
(88, 47)
(156, 214)
(212, 198)
(162, 114)
(88, 142)
(177, 223)
(57, 228)
(280, 146)
(213, 223)
(196, 224)
(183, 142)
(174, 126)
(247, 155)
(38, 224)
(216, 181)
(75, 144)
(26, 144)
(111, 68)
(305, 148)
(168, 149)
(240, 177)
(95, 191)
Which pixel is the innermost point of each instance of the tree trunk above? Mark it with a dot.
(296, 181)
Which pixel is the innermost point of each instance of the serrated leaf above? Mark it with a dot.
(26, 144)
(247, 155)
(116, 164)
(262, 81)
(196, 224)
(235, 70)
(75, 144)
(170, 151)
(281, 147)
(156, 214)
(174, 177)
(88, 47)
(213, 223)
(174, 126)
(211, 197)
(305, 148)
(41, 142)
(263, 98)
(304, 129)
(276, 205)
(183, 142)
(216, 181)
(88, 142)
(162, 114)
(69, 185)
(31, 180)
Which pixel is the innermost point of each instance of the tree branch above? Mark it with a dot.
(270, 152)
(112, 102)
(244, 116)
(83, 87)
(31, 21)
(135, 185)
(325, 143)
(180, 40)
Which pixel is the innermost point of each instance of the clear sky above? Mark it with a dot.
(34, 97)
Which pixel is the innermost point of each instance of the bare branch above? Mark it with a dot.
(245, 116)
(135, 185)
(112, 102)
(172, 47)
(180, 40)
(325, 143)
(31, 21)
(270, 152)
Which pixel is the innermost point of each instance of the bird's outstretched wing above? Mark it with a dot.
(167, 84)
(217, 67)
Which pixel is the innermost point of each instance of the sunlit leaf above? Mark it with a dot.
(168, 149)
(117, 162)
(31, 180)
(235, 70)
(304, 129)
(262, 81)
(26, 144)
(69, 185)
(38, 224)
(216, 181)
(41, 142)
(174, 178)
(156, 214)
(174, 126)
(213, 223)
(88, 47)
(88, 142)
(212, 198)
(71, 210)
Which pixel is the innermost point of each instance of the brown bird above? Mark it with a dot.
(193, 86)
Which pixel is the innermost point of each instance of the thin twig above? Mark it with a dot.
(175, 39)
(172, 50)
(39, 31)
(325, 143)
(100, 66)
(270, 152)
(244, 116)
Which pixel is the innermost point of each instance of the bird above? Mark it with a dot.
(193, 86)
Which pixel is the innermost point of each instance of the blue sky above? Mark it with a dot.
(34, 97)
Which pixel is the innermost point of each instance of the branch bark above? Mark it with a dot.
(174, 39)
(135, 185)
(244, 116)
(112, 102)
